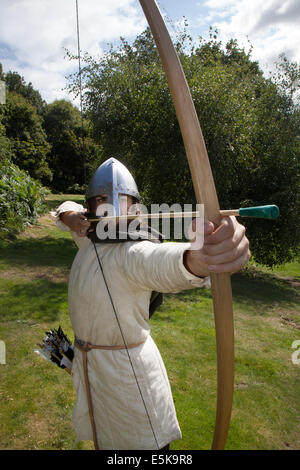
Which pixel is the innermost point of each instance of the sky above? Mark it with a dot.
(34, 34)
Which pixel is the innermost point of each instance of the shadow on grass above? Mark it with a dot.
(254, 289)
(45, 251)
(263, 290)
(40, 300)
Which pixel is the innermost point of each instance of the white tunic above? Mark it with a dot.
(128, 415)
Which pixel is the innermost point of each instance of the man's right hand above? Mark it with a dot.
(76, 221)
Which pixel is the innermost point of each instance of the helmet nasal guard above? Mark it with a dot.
(112, 178)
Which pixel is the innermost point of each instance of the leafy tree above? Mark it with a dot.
(6, 152)
(287, 77)
(250, 125)
(15, 83)
(1, 72)
(21, 139)
(73, 153)
(28, 139)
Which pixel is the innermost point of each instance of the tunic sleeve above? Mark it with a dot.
(65, 207)
(160, 267)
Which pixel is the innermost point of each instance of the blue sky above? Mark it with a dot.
(34, 33)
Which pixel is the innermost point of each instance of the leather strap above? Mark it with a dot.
(85, 347)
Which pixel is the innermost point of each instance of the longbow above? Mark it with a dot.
(205, 192)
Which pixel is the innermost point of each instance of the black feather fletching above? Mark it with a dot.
(57, 348)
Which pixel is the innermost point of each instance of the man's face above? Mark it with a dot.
(125, 202)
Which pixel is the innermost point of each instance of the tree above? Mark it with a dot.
(71, 148)
(287, 78)
(28, 139)
(250, 126)
(21, 197)
(1, 73)
(6, 151)
(15, 83)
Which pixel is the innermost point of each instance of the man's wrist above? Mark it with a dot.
(193, 266)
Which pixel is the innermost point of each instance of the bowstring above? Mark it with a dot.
(80, 94)
(125, 344)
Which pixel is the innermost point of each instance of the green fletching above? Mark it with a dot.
(263, 212)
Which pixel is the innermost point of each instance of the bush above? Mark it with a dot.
(21, 200)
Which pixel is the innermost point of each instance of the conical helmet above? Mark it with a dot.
(112, 178)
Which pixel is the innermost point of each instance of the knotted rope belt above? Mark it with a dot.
(85, 347)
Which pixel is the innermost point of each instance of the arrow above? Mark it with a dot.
(261, 212)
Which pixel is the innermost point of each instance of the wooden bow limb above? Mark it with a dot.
(205, 194)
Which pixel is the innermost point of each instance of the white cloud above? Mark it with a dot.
(34, 33)
(272, 26)
(38, 31)
(219, 4)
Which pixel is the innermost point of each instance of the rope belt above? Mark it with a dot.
(85, 347)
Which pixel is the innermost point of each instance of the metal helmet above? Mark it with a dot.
(112, 179)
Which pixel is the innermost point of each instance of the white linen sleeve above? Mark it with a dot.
(160, 267)
(65, 207)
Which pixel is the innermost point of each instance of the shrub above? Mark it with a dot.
(21, 200)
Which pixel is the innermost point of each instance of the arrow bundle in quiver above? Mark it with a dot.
(57, 348)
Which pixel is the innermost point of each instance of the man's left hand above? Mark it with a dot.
(225, 250)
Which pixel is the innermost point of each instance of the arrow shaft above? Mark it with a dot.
(161, 215)
(263, 212)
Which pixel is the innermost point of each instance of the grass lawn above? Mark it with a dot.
(37, 398)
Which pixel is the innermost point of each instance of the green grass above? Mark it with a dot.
(37, 398)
